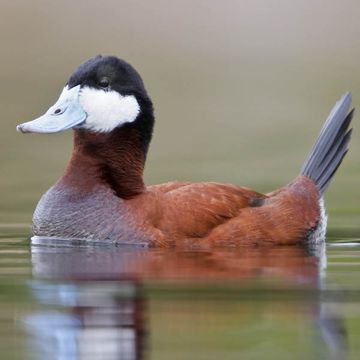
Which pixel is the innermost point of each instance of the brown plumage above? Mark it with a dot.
(214, 214)
(102, 195)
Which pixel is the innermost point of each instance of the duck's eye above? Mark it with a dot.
(104, 83)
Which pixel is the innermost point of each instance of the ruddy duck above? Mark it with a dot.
(102, 195)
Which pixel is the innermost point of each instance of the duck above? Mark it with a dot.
(102, 197)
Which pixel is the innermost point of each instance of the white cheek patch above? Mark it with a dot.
(107, 110)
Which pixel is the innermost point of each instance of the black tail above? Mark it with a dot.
(331, 146)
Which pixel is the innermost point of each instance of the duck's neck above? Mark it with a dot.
(113, 159)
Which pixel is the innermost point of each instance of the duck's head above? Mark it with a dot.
(105, 94)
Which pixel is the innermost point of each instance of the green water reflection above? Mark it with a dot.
(123, 303)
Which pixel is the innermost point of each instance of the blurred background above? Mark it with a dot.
(240, 88)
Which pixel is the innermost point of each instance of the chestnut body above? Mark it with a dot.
(85, 203)
(102, 195)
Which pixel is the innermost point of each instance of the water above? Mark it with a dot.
(107, 302)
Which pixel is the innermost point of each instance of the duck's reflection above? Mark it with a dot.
(98, 308)
(89, 319)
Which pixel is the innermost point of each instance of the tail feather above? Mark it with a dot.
(331, 146)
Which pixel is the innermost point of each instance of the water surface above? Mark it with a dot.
(126, 303)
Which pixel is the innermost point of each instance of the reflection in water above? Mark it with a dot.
(295, 265)
(97, 306)
(94, 320)
(333, 331)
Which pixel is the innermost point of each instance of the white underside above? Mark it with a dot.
(317, 241)
(318, 235)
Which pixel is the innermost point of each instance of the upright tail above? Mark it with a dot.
(331, 146)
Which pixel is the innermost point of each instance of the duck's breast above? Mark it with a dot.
(93, 215)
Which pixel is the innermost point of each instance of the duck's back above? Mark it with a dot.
(215, 214)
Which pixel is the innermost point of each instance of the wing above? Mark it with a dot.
(288, 216)
(166, 187)
(194, 209)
